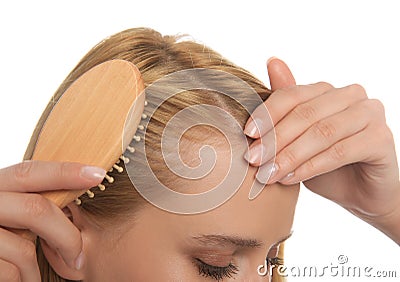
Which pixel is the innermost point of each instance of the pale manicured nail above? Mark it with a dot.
(287, 177)
(253, 127)
(266, 172)
(79, 261)
(255, 154)
(93, 173)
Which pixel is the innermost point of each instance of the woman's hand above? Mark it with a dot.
(24, 210)
(335, 140)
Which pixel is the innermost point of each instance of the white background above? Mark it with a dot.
(341, 42)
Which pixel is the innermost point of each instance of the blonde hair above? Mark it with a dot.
(155, 56)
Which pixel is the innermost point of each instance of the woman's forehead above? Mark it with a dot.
(268, 217)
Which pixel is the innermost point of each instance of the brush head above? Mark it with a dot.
(94, 120)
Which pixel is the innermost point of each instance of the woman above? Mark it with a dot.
(117, 236)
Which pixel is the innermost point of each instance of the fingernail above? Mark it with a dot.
(253, 127)
(266, 172)
(93, 173)
(255, 154)
(271, 59)
(79, 261)
(287, 177)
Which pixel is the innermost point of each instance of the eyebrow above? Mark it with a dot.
(224, 240)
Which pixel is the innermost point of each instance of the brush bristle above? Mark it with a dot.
(120, 169)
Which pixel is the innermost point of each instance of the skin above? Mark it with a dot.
(156, 245)
(159, 245)
(369, 188)
(334, 140)
(24, 210)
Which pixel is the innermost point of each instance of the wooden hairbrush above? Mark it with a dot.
(92, 123)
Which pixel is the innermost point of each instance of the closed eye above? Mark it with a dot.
(217, 273)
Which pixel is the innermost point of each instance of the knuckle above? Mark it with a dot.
(376, 105)
(305, 112)
(10, 273)
(385, 135)
(324, 84)
(388, 136)
(36, 206)
(279, 139)
(337, 152)
(309, 165)
(357, 89)
(22, 171)
(68, 170)
(63, 169)
(324, 129)
(27, 251)
(288, 159)
(374, 110)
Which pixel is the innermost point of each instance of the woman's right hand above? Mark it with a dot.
(19, 208)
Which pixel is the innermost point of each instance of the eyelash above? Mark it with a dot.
(274, 261)
(216, 272)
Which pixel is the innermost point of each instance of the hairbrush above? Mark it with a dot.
(92, 123)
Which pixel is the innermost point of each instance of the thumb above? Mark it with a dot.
(279, 74)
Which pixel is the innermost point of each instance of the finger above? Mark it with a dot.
(44, 218)
(347, 151)
(9, 272)
(315, 140)
(279, 104)
(318, 172)
(279, 74)
(304, 115)
(35, 176)
(20, 254)
(301, 118)
(354, 148)
(318, 138)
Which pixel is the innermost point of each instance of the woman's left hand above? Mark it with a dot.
(335, 140)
